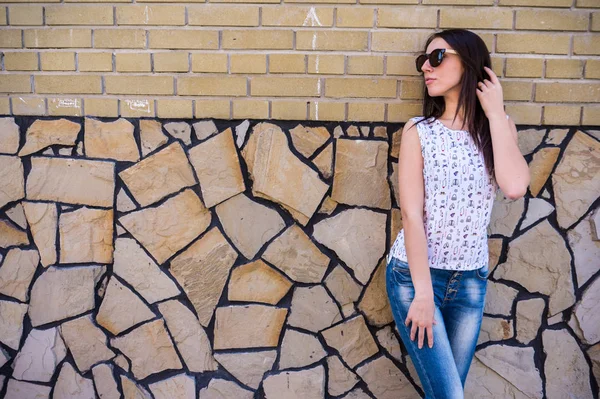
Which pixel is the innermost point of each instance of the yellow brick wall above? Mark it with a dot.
(341, 60)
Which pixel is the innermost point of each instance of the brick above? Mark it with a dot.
(58, 37)
(524, 67)
(3, 16)
(327, 111)
(285, 87)
(322, 1)
(133, 62)
(365, 65)
(248, 63)
(297, 16)
(596, 21)
(591, 115)
(498, 65)
(95, 62)
(401, 112)
(459, 2)
(524, 113)
(119, 38)
(137, 107)
(366, 112)
(401, 65)
(216, 63)
(360, 87)
(30, 15)
(412, 89)
(28, 105)
(103, 107)
(15, 83)
(586, 45)
(552, 20)
(4, 106)
(537, 3)
(564, 68)
(174, 108)
(212, 86)
(171, 62)
(79, 15)
(150, 15)
(139, 85)
(517, 90)
(388, 1)
(562, 115)
(476, 18)
(592, 69)
(184, 39)
(403, 41)
(353, 17)
(21, 61)
(287, 63)
(406, 17)
(65, 107)
(587, 3)
(289, 110)
(93, 1)
(57, 61)
(219, 15)
(264, 39)
(72, 84)
(212, 109)
(533, 43)
(338, 40)
(250, 109)
(329, 64)
(567, 92)
(245, 1)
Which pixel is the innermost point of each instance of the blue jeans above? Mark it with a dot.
(459, 298)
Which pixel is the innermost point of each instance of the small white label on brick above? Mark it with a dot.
(139, 105)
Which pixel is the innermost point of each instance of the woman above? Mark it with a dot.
(451, 162)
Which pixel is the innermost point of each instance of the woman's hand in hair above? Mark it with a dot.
(489, 93)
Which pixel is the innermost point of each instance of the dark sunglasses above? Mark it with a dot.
(435, 58)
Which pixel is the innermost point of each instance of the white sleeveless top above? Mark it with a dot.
(459, 195)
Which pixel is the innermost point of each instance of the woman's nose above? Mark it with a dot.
(427, 67)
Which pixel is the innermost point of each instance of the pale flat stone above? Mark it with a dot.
(514, 364)
(380, 131)
(122, 362)
(352, 339)
(248, 224)
(338, 132)
(567, 371)
(250, 326)
(594, 354)
(42, 351)
(124, 202)
(105, 383)
(62, 293)
(86, 235)
(4, 358)
(557, 318)
(297, 256)
(131, 390)
(484, 383)
(21, 390)
(541, 268)
(17, 216)
(217, 166)
(111, 140)
(324, 161)
(202, 271)
(120, 230)
(280, 176)
(353, 131)
(17, 272)
(396, 140)
(141, 272)
(12, 181)
(340, 379)
(395, 183)
(149, 348)
(86, 342)
(313, 309)
(385, 380)
(545, 194)
(180, 131)
(168, 228)
(151, 136)
(412, 372)
(205, 129)
(505, 215)
(11, 323)
(499, 298)
(257, 282)
(71, 385)
(222, 389)
(79, 149)
(365, 130)
(357, 393)
(529, 319)
(495, 329)
(576, 179)
(74, 181)
(48, 151)
(556, 136)
(529, 140)
(375, 303)
(299, 349)
(328, 206)
(159, 175)
(307, 140)
(10, 235)
(540, 168)
(304, 384)
(9, 136)
(65, 151)
(121, 308)
(586, 250)
(44, 133)
(248, 367)
(189, 336)
(536, 209)
(495, 250)
(240, 133)
(595, 225)
(587, 313)
(390, 343)
(395, 225)
(343, 287)
(43, 222)
(357, 236)
(181, 386)
(360, 174)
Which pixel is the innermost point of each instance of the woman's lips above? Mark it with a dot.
(429, 80)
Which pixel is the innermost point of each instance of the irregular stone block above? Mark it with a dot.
(240, 133)
(343, 287)
(340, 379)
(11, 323)
(43, 222)
(594, 354)
(21, 389)
(71, 385)
(219, 388)
(495, 329)
(248, 367)
(257, 282)
(205, 129)
(299, 349)
(395, 225)
(42, 351)
(529, 319)
(181, 386)
(309, 383)
(9, 136)
(17, 216)
(385, 380)
(352, 339)
(324, 161)
(499, 298)
(151, 136)
(390, 342)
(537, 209)
(313, 309)
(43, 133)
(356, 394)
(395, 183)
(396, 140)
(86, 235)
(375, 303)
(529, 140)
(111, 140)
(307, 140)
(540, 168)
(587, 313)
(11, 236)
(17, 272)
(105, 383)
(180, 131)
(586, 250)
(505, 215)
(124, 202)
(12, 179)
(86, 342)
(131, 390)
(484, 383)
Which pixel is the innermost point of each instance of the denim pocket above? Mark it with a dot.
(400, 266)
(482, 273)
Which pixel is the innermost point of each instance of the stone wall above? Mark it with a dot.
(238, 259)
